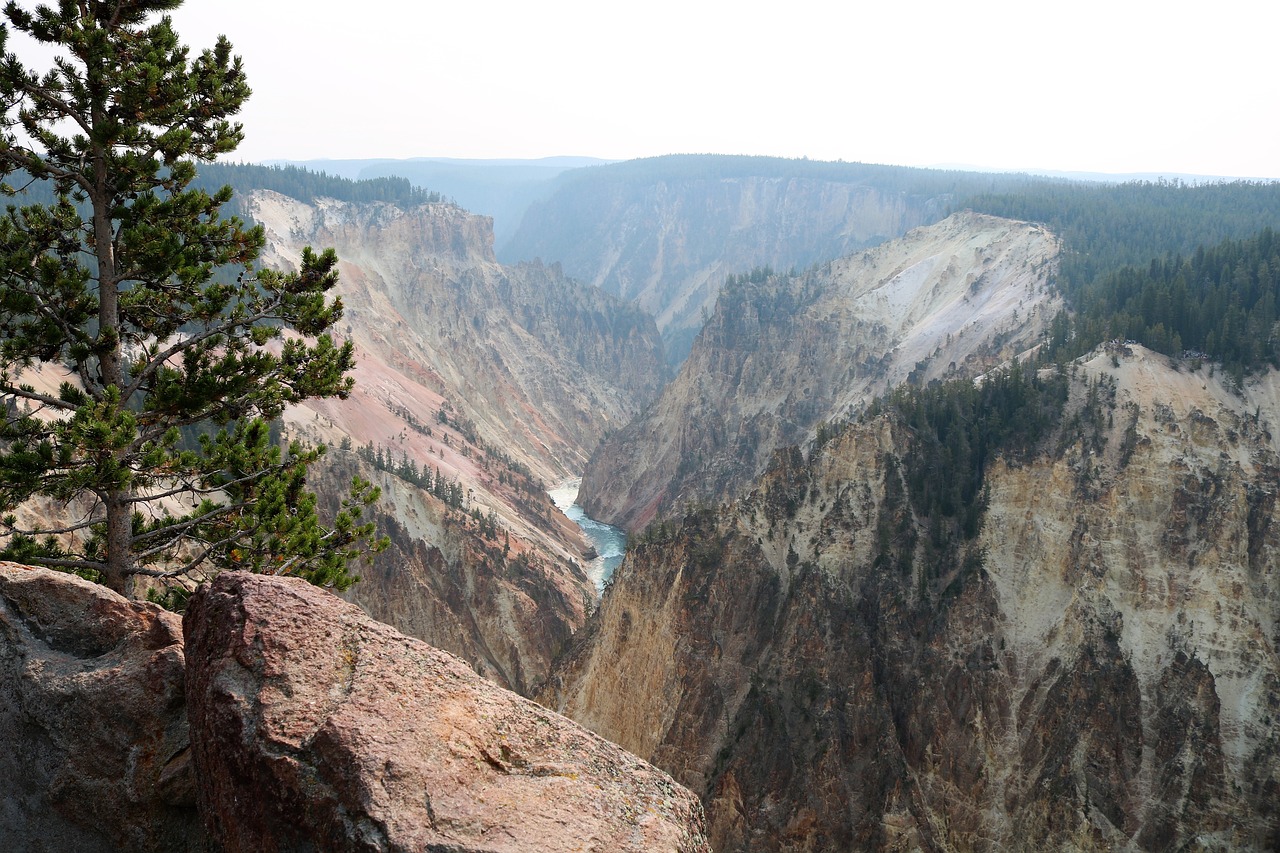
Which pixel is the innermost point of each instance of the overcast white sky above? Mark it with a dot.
(1116, 86)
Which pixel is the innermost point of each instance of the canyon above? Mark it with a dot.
(495, 380)
(783, 354)
(1083, 655)
(1097, 668)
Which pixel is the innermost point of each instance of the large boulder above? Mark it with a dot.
(316, 728)
(91, 706)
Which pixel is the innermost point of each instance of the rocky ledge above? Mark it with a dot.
(315, 727)
(288, 720)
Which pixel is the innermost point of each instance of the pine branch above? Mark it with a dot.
(13, 530)
(65, 563)
(155, 362)
(192, 489)
(34, 396)
(186, 567)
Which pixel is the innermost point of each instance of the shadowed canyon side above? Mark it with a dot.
(784, 354)
(477, 386)
(1097, 667)
(666, 232)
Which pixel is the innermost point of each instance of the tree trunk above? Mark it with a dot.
(119, 556)
(118, 574)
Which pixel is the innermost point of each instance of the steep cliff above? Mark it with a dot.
(488, 383)
(541, 365)
(506, 605)
(1097, 667)
(783, 354)
(667, 238)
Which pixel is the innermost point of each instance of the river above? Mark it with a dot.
(610, 542)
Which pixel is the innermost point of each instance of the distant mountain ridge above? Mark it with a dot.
(1104, 177)
(667, 231)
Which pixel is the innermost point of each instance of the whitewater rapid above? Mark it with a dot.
(610, 542)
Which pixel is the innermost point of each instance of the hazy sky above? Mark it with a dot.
(1116, 86)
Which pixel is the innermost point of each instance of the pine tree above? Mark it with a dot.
(167, 367)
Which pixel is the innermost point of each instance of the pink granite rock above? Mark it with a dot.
(95, 751)
(315, 727)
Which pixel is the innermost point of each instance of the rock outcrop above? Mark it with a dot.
(1098, 668)
(95, 753)
(314, 727)
(783, 354)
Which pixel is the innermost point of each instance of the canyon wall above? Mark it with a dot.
(541, 365)
(784, 354)
(666, 233)
(1097, 668)
(492, 382)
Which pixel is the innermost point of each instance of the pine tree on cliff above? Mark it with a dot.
(138, 375)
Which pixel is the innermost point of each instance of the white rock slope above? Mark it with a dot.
(784, 354)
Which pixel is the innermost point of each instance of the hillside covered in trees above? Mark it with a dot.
(1218, 304)
(307, 185)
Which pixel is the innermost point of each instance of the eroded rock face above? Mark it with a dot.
(95, 753)
(504, 608)
(315, 727)
(540, 364)
(783, 354)
(497, 379)
(1101, 669)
